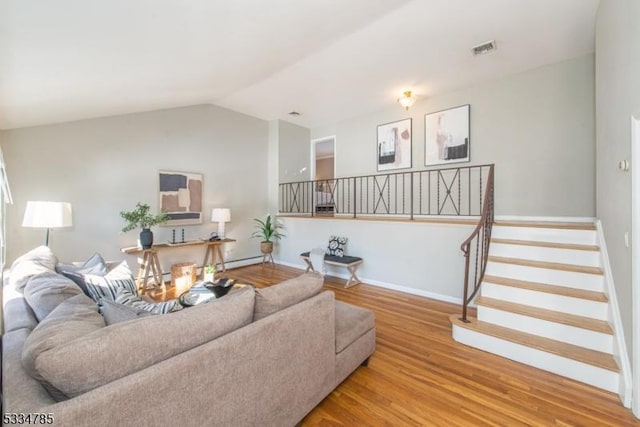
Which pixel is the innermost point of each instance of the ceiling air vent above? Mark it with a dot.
(485, 47)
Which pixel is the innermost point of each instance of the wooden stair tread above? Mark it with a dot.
(550, 265)
(545, 314)
(547, 224)
(592, 248)
(550, 289)
(569, 351)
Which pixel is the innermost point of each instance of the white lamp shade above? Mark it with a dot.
(220, 215)
(47, 215)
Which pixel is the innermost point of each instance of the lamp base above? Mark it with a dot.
(221, 230)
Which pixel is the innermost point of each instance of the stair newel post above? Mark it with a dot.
(465, 249)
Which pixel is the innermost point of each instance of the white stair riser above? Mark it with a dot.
(539, 253)
(561, 303)
(556, 331)
(590, 282)
(592, 375)
(556, 235)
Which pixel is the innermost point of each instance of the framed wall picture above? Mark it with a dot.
(446, 136)
(394, 145)
(180, 195)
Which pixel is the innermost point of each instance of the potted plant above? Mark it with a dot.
(209, 273)
(267, 230)
(141, 218)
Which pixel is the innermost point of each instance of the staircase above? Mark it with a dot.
(542, 302)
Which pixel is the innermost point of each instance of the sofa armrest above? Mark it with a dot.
(270, 372)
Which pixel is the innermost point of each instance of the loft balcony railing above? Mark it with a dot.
(463, 192)
(436, 192)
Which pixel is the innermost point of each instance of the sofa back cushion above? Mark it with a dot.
(284, 294)
(36, 261)
(45, 291)
(67, 324)
(118, 350)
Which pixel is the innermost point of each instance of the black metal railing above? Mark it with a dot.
(450, 191)
(476, 248)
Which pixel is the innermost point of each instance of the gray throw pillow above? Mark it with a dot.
(114, 312)
(72, 320)
(94, 265)
(284, 294)
(45, 291)
(36, 261)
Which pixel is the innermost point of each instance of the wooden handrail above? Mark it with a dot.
(481, 235)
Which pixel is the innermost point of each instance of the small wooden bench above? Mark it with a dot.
(351, 262)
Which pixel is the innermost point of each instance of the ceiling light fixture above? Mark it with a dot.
(485, 47)
(294, 113)
(407, 99)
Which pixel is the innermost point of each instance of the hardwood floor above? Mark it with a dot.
(420, 376)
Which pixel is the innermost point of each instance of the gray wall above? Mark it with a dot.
(294, 152)
(617, 99)
(103, 166)
(420, 258)
(536, 126)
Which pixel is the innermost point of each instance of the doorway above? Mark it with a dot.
(323, 158)
(323, 170)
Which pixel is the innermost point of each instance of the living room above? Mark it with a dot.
(90, 115)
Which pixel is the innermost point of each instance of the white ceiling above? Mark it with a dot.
(66, 60)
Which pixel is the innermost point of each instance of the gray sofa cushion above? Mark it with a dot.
(36, 261)
(118, 350)
(114, 312)
(22, 393)
(45, 291)
(284, 294)
(67, 324)
(18, 315)
(351, 323)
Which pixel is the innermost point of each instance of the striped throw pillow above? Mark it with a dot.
(126, 297)
(107, 286)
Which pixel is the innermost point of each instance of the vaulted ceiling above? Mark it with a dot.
(66, 60)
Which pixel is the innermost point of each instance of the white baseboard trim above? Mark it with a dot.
(380, 284)
(619, 345)
(587, 219)
(243, 262)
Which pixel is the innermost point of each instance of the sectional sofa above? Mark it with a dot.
(253, 358)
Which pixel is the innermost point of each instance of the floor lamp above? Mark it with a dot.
(47, 215)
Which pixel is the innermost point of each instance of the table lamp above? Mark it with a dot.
(220, 215)
(47, 215)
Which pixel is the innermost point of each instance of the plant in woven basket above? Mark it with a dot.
(267, 230)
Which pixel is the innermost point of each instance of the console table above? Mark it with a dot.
(151, 262)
